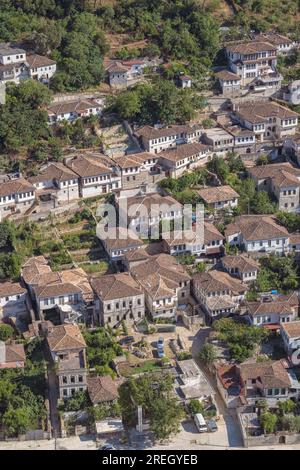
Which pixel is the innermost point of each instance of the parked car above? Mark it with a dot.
(107, 447)
(127, 340)
(160, 353)
(212, 425)
(160, 343)
(200, 422)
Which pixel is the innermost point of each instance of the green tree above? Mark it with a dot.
(268, 422)
(208, 354)
(6, 332)
(261, 204)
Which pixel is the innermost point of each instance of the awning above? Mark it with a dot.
(272, 326)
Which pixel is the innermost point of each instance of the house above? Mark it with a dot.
(166, 285)
(294, 243)
(119, 242)
(16, 65)
(146, 212)
(244, 140)
(283, 44)
(102, 389)
(13, 297)
(291, 93)
(269, 380)
(253, 59)
(188, 241)
(193, 383)
(218, 139)
(12, 355)
(219, 197)
(72, 110)
(68, 292)
(291, 148)
(249, 382)
(280, 180)
(32, 270)
(137, 170)
(125, 73)
(97, 174)
(67, 348)
(230, 83)
(16, 196)
(118, 298)
(218, 293)
(40, 68)
(267, 119)
(257, 233)
(56, 184)
(183, 158)
(157, 139)
(290, 333)
(241, 266)
(281, 309)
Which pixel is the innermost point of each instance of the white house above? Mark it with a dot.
(72, 110)
(258, 233)
(57, 181)
(230, 83)
(290, 333)
(218, 139)
(16, 195)
(185, 157)
(281, 309)
(12, 300)
(291, 93)
(157, 139)
(219, 197)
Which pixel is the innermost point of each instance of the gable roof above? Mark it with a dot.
(8, 288)
(284, 304)
(218, 194)
(115, 286)
(251, 47)
(64, 337)
(183, 151)
(242, 262)
(214, 280)
(271, 374)
(283, 174)
(37, 61)
(89, 165)
(256, 227)
(260, 111)
(154, 133)
(134, 160)
(34, 268)
(16, 186)
(54, 171)
(102, 389)
(75, 106)
(292, 329)
(122, 238)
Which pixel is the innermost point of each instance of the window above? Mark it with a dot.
(80, 378)
(108, 306)
(72, 379)
(65, 379)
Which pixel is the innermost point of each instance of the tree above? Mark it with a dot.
(6, 332)
(261, 204)
(166, 417)
(208, 354)
(7, 235)
(268, 422)
(16, 421)
(195, 406)
(287, 406)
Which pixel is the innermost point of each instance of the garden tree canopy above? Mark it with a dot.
(160, 102)
(102, 348)
(208, 354)
(277, 272)
(6, 332)
(154, 393)
(240, 338)
(289, 220)
(268, 421)
(262, 204)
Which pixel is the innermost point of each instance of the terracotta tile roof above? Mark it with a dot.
(154, 133)
(160, 275)
(78, 106)
(281, 305)
(54, 290)
(16, 186)
(85, 166)
(218, 303)
(211, 233)
(11, 288)
(71, 281)
(294, 238)
(292, 328)
(227, 75)
(102, 389)
(243, 263)
(238, 131)
(251, 47)
(151, 201)
(257, 112)
(134, 160)
(283, 174)
(214, 280)
(14, 353)
(65, 337)
(217, 194)
(34, 268)
(116, 286)
(256, 227)
(122, 239)
(7, 49)
(37, 61)
(271, 374)
(229, 377)
(54, 171)
(184, 151)
(274, 38)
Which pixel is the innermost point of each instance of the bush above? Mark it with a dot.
(195, 406)
(6, 332)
